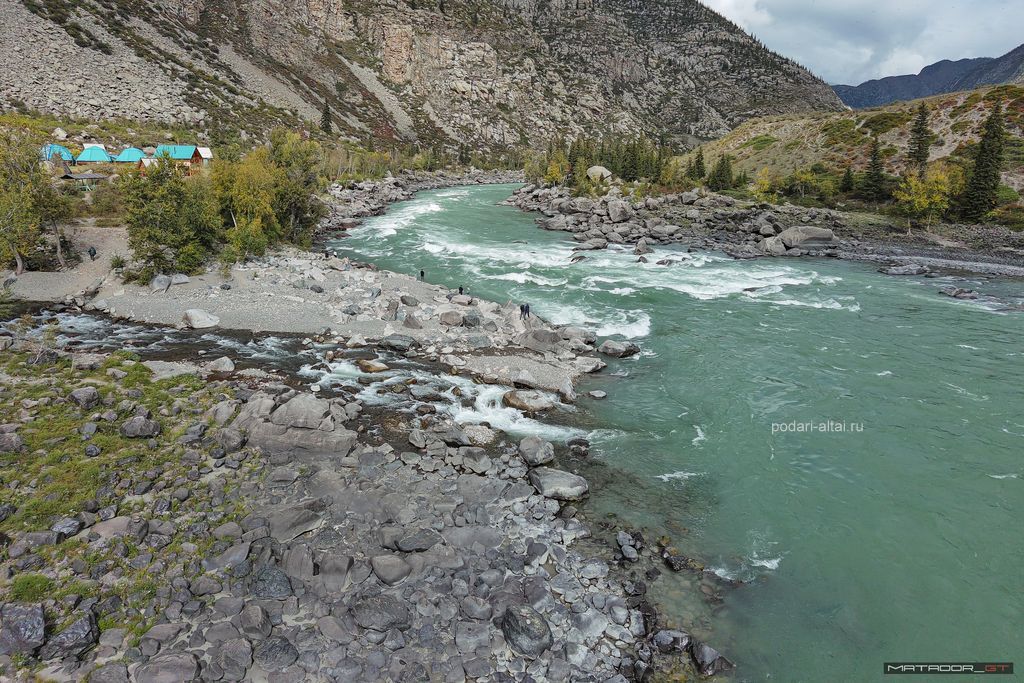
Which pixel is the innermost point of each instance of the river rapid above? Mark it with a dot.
(845, 443)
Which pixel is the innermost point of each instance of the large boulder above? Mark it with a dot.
(78, 637)
(526, 631)
(381, 613)
(557, 484)
(805, 236)
(140, 427)
(618, 349)
(304, 411)
(527, 401)
(536, 451)
(85, 397)
(598, 174)
(275, 654)
(22, 629)
(198, 319)
(772, 246)
(619, 211)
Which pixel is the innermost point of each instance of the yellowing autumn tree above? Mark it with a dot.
(766, 186)
(925, 196)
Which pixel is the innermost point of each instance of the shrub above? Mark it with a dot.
(1010, 216)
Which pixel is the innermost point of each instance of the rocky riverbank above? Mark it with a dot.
(239, 528)
(184, 522)
(702, 220)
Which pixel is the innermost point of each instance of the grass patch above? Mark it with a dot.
(886, 121)
(30, 587)
(842, 132)
(759, 143)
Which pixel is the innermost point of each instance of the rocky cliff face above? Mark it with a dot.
(489, 73)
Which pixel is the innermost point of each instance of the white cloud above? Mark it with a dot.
(850, 41)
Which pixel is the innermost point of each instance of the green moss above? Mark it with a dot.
(30, 588)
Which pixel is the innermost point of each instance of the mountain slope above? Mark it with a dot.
(486, 73)
(784, 144)
(942, 77)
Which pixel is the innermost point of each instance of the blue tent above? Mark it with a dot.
(93, 155)
(130, 155)
(176, 152)
(52, 150)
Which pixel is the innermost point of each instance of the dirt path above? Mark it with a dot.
(55, 286)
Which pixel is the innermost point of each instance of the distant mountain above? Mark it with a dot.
(935, 79)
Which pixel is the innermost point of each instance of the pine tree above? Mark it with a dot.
(846, 185)
(982, 186)
(699, 169)
(920, 139)
(721, 177)
(326, 124)
(873, 186)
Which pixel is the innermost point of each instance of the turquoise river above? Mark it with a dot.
(898, 538)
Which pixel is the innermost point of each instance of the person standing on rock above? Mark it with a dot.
(92, 253)
(526, 311)
(423, 276)
(522, 311)
(460, 290)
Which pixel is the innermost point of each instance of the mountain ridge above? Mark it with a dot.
(496, 73)
(944, 76)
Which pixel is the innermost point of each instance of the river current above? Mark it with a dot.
(847, 444)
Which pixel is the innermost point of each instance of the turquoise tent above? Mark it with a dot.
(52, 150)
(93, 155)
(176, 152)
(130, 155)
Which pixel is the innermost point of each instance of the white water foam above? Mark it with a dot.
(683, 475)
(700, 438)
(522, 277)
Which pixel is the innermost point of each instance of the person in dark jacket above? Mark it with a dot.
(92, 253)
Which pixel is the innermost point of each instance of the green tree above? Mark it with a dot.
(301, 164)
(721, 177)
(847, 184)
(873, 184)
(54, 209)
(326, 125)
(173, 221)
(980, 194)
(920, 139)
(21, 176)
(699, 169)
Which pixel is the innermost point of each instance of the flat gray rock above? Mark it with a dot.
(557, 484)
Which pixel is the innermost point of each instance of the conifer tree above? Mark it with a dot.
(326, 124)
(873, 186)
(699, 169)
(721, 177)
(979, 195)
(920, 139)
(846, 185)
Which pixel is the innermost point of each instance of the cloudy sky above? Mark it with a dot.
(851, 41)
